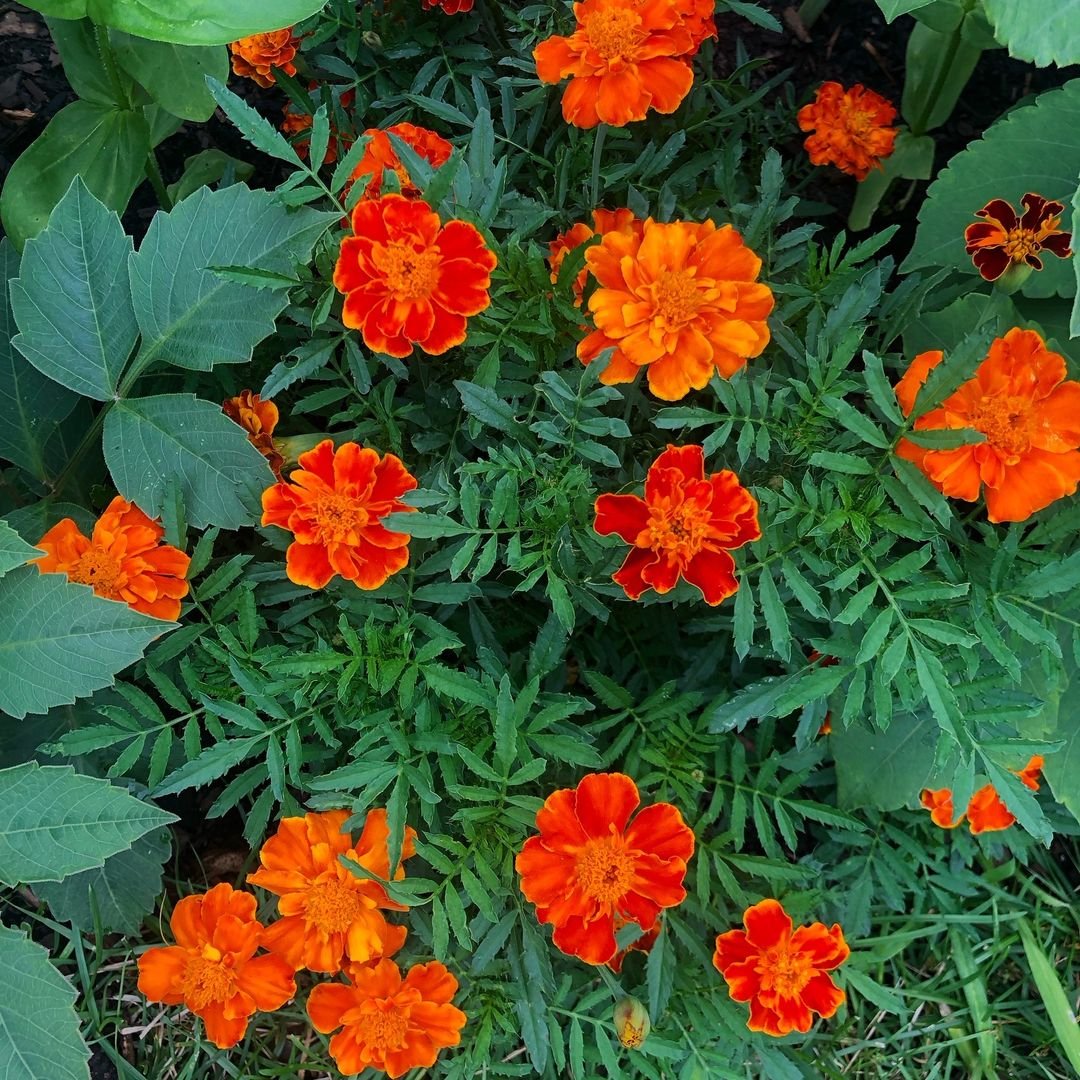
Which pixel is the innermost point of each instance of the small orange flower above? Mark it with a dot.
(258, 418)
(449, 7)
(1002, 239)
(388, 1023)
(408, 279)
(124, 559)
(685, 527)
(296, 123)
(327, 912)
(1030, 414)
(985, 811)
(851, 128)
(589, 872)
(680, 300)
(254, 57)
(623, 59)
(380, 155)
(604, 222)
(783, 974)
(334, 505)
(940, 804)
(213, 969)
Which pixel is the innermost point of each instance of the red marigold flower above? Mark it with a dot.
(850, 128)
(604, 222)
(685, 527)
(388, 1023)
(258, 418)
(380, 155)
(622, 59)
(213, 969)
(589, 871)
(680, 300)
(1002, 239)
(296, 123)
(408, 279)
(254, 57)
(1030, 414)
(329, 913)
(334, 505)
(985, 810)
(783, 974)
(124, 559)
(449, 7)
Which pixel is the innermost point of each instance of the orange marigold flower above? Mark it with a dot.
(258, 418)
(1002, 239)
(680, 300)
(380, 155)
(388, 1023)
(213, 969)
(327, 912)
(254, 57)
(296, 123)
(622, 59)
(449, 7)
(124, 559)
(408, 279)
(783, 974)
(604, 222)
(589, 871)
(334, 505)
(699, 19)
(940, 804)
(1030, 414)
(685, 527)
(851, 128)
(985, 810)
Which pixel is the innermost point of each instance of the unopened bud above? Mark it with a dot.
(371, 39)
(632, 1023)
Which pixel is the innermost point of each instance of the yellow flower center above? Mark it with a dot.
(605, 869)
(859, 122)
(680, 530)
(409, 274)
(333, 906)
(1006, 422)
(614, 34)
(1020, 243)
(208, 977)
(785, 971)
(386, 1029)
(677, 296)
(98, 569)
(338, 518)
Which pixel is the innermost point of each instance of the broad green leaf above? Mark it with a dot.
(200, 22)
(884, 769)
(1009, 160)
(173, 75)
(218, 472)
(54, 822)
(59, 642)
(207, 167)
(104, 145)
(1044, 34)
(14, 550)
(71, 299)
(189, 315)
(41, 1039)
(893, 9)
(77, 45)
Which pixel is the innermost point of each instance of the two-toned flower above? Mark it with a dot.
(1006, 242)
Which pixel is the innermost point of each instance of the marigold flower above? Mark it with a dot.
(985, 810)
(685, 527)
(258, 418)
(388, 1022)
(334, 505)
(380, 155)
(123, 560)
(851, 128)
(604, 222)
(783, 974)
(1002, 239)
(1030, 414)
(680, 300)
(327, 912)
(940, 804)
(213, 969)
(408, 279)
(296, 123)
(254, 57)
(589, 871)
(698, 17)
(622, 59)
(449, 7)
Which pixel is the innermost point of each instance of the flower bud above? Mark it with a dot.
(371, 39)
(632, 1023)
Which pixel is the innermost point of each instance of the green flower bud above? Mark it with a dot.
(632, 1023)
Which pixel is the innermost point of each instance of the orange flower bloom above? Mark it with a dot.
(295, 123)
(123, 560)
(387, 1022)
(213, 969)
(680, 300)
(985, 811)
(850, 128)
(684, 527)
(408, 279)
(333, 505)
(604, 222)
(449, 7)
(327, 912)
(588, 872)
(380, 155)
(698, 17)
(1020, 400)
(1002, 239)
(784, 975)
(622, 59)
(254, 57)
(258, 418)
(940, 804)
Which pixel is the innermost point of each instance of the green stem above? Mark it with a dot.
(157, 181)
(108, 61)
(811, 10)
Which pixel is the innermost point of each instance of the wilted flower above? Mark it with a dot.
(254, 57)
(1003, 242)
(850, 128)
